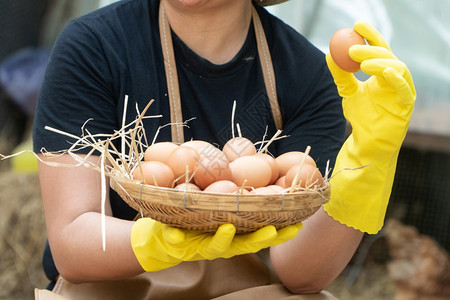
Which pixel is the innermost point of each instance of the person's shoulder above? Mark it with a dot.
(291, 51)
(117, 18)
(116, 10)
(280, 33)
(117, 15)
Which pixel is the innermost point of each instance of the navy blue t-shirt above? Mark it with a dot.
(115, 51)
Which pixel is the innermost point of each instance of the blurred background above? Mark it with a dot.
(408, 257)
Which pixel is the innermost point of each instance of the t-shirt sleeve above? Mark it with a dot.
(77, 91)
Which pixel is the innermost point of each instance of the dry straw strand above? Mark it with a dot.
(302, 162)
(183, 208)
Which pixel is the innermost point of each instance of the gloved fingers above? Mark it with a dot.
(261, 236)
(372, 36)
(346, 82)
(172, 235)
(220, 242)
(362, 53)
(287, 233)
(395, 73)
(254, 241)
(377, 66)
(403, 86)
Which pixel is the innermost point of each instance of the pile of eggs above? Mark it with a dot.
(237, 168)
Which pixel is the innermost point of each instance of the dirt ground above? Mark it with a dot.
(22, 231)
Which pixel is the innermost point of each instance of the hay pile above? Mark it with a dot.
(372, 283)
(366, 276)
(22, 234)
(420, 267)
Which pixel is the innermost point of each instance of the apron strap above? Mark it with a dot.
(267, 68)
(173, 87)
(176, 117)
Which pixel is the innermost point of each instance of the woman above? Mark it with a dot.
(120, 50)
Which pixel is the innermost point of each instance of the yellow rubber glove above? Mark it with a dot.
(158, 246)
(379, 110)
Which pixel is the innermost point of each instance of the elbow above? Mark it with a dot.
(66, 263)
(69, 271)
(70, 278)
(305, 286)
(306, 289)
(301, 278)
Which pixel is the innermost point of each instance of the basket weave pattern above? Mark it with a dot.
(207, 211)
(200, 211)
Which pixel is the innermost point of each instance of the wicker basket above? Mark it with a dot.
(207, 211)
(187, 209)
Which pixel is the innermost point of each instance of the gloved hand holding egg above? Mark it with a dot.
(379, 111)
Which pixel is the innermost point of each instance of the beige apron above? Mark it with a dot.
(240, 277)
(172, 77)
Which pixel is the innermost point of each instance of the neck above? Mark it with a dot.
(214, 29)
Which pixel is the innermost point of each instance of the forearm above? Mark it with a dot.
(319, 253)
(78, 252)
(72, 205)
(359, 198)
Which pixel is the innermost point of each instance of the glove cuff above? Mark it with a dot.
(360, 196)
(143, 242)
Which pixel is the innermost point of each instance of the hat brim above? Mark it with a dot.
(269, 2)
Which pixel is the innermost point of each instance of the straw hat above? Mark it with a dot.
(269, 2)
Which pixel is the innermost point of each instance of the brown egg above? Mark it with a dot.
(276, 187)
(268, 190)
(179, 159)
(340, 43)
(205, 149)
(159, 151)
(155, 173)
(273, 166)
(309, 176)
(254, 170)
(187, 187)
(222, 186)
(287, 160)
(281, 182)
(197, 145)
(242, 191)
(238, 147)
(210, 169)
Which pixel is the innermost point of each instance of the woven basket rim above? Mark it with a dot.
(140, 192)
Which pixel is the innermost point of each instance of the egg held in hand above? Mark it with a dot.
(340, 43)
